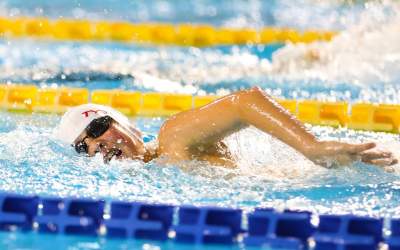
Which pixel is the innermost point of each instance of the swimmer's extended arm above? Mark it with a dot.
(213, 122)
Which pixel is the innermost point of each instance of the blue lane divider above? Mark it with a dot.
(348, 232)
(289, 230)
(208, 225)
(70, 216)
(190, 224)
(17, 211)
(394, 240)
(139, 220)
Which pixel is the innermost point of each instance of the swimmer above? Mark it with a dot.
(197, 134)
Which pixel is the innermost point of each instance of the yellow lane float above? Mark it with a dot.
(31, 99)
(198, 35)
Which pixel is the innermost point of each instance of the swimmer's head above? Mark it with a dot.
(92, 128)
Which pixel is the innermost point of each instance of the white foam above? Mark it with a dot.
(268, 158)
(184, 67)
(363, 54)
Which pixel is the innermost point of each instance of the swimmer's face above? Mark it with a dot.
(116, 142)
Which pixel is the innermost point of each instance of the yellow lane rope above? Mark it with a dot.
(30, 98)
(155, 33)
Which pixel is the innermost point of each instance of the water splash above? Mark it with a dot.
(270, 173)
(365, 54)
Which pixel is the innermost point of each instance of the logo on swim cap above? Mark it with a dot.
(86, 113)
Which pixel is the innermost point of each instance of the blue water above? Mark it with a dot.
(48, 242)
(270, 173)
(237, 13)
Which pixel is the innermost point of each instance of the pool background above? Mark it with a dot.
(357, 66)
(233, 13)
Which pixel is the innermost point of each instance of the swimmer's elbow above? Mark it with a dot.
(258, 92)
(252, 94)
(257, 89)
(249, 97)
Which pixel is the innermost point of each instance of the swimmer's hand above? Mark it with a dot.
(332, 153)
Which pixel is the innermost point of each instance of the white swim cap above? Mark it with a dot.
(76, 119)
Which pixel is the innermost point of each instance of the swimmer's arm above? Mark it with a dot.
(213, 122)
(262, 111)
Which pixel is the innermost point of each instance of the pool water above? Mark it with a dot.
(356, 66)
(269, 174)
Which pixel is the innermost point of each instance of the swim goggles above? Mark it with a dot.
(95, 129)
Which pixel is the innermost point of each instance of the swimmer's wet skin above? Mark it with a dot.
(197, 134)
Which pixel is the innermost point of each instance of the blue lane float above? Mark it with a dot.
(348, 232)
(70, 216)
(394, 240)
(17, 211)
(195, 225)
(200, 225)
(288, 229)
(139, 220)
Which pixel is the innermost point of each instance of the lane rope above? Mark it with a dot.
(155, 33)
(264, 227)
(31, 99)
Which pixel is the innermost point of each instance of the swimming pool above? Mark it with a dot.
(270, 174)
